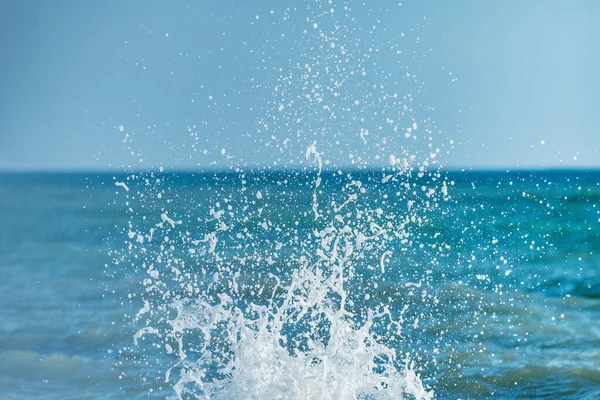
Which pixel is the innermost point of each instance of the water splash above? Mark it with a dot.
(284, 317)
(270, 285)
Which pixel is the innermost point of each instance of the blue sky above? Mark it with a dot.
(190, 84)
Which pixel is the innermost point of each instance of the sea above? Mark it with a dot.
(300, 284)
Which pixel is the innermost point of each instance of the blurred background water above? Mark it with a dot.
(502, 287)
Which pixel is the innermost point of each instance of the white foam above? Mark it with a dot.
(247, 347)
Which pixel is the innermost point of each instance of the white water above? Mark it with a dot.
(299, 339)
(298, 335)
(346, 362)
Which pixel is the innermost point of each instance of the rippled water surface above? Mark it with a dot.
(496, 292)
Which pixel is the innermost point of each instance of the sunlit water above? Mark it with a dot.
(353, 267)
(490, 291)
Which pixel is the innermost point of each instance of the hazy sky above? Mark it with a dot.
(189, 84)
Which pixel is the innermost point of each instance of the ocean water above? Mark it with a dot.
(344, 284)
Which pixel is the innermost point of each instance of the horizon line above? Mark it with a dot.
(269, 169)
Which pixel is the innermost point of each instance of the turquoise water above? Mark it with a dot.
(497, 286)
